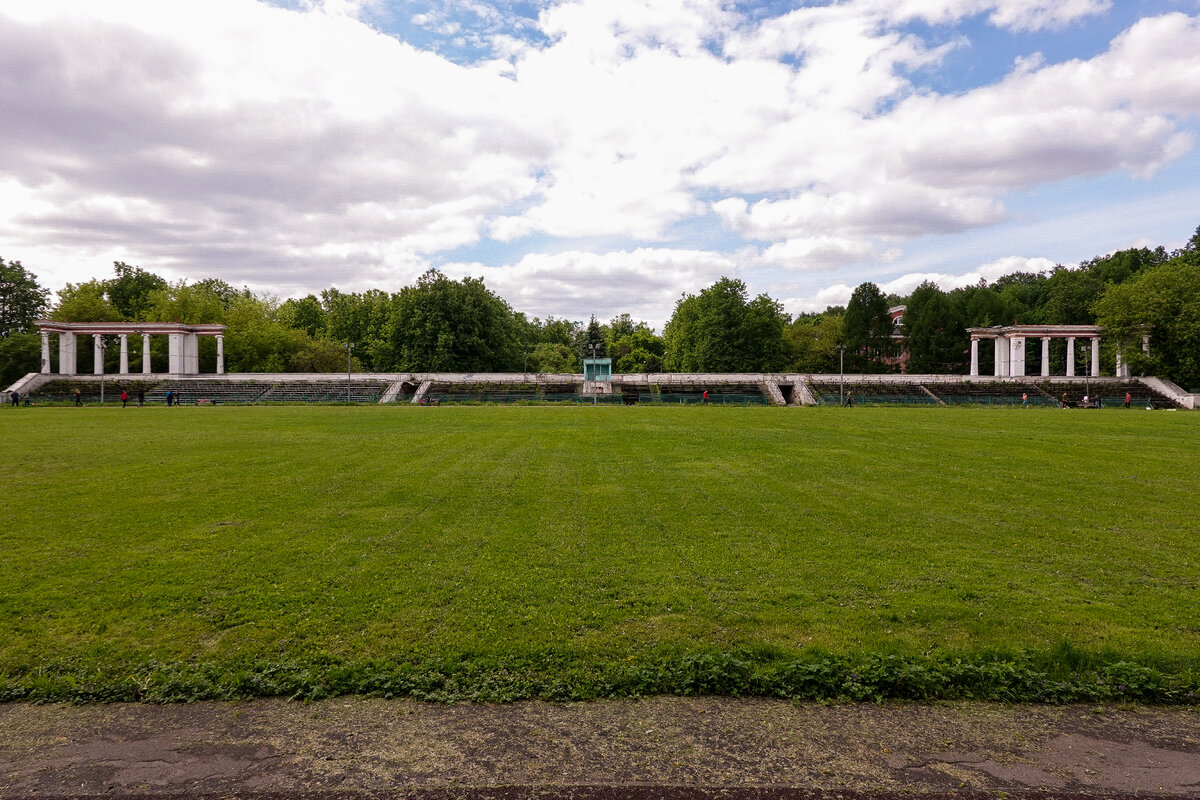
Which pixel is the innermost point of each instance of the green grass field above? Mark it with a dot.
(501, 552)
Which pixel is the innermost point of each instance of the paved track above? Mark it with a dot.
(668, 748)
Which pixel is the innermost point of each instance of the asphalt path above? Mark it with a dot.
(655, 748)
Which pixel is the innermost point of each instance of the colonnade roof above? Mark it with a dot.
(131, 328)
(1038, 330)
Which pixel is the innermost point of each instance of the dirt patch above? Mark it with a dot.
(584, 749)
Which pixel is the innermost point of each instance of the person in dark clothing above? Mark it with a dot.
(15, 399)
(141, 397)
(849, 400)
(1128, 398)
(78, 398)
(170, 397)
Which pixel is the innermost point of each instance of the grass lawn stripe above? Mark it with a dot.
(592, 538)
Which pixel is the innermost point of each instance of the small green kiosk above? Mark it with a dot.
(597, 369)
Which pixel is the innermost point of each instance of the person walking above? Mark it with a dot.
(1025, 399)
(1064, 400)
(170, 397)
(706, 397)
(849, 400)
(124, 398)
(15, 398)
(141, 397)
(78, 398)
(1128, 398)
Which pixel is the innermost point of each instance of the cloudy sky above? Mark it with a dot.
(594, 156)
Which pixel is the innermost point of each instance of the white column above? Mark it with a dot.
(45, 353)
(98, 354)
(1002, 354)
(1095, 356)
(1121, 368)
(1016, 356)
(974, 355)
(66, 354)
(175, 353)
(1070, 356)
(1045, 356)
(1146, 344)
(191, 354)
(145, 354)
(220, 354)
(124, 354)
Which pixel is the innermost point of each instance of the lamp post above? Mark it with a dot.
(841, 374)
(349, 353)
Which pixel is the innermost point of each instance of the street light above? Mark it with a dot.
(349, 351)
(841, 374)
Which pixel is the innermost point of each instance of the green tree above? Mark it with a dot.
(362, 320)
(813, 340)
(129, 292)
(867, 330)
(22, 299)
(441, 325)
(934, 332)
(554, 358)
(183, 302)
(304, 314)
(1163, 301)
(721, 330)
(591, 341)
(85, 302)
(20, 354)
(1068, 298)
(639, 350)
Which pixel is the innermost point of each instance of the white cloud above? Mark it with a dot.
(287, 148)
(644, 282)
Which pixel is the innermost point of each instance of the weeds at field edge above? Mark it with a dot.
(1010, 677)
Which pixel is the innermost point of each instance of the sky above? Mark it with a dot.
(594, 157)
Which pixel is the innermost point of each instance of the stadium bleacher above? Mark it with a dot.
(870, 392)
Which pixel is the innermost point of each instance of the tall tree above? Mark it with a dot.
(934, 332)
(441, 325)
(721, 330)
(867, 329)
(85, 302)
(22, 298)
(129, 291)
(1163, 301)
(591, 341)
(813, 341)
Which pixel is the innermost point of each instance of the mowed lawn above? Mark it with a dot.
(593, 535)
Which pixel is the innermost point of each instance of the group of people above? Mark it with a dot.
(14, 398)
(141, 397)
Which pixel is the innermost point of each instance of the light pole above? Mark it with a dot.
(841, 374)
(349, 352)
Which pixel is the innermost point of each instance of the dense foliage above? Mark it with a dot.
(440, 324)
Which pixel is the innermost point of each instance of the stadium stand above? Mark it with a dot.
(1003, 393)
(63, 391)
(324, 392)
(727, 393)
(207, 391)
(870, 392)
(1110, 394)
(483, 392)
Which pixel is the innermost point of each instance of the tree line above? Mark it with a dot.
(442, 325)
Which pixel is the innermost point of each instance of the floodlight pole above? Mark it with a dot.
(349, 352)
(841, 374)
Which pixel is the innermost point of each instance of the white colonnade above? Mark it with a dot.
(1010, 342)
(183, 347)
